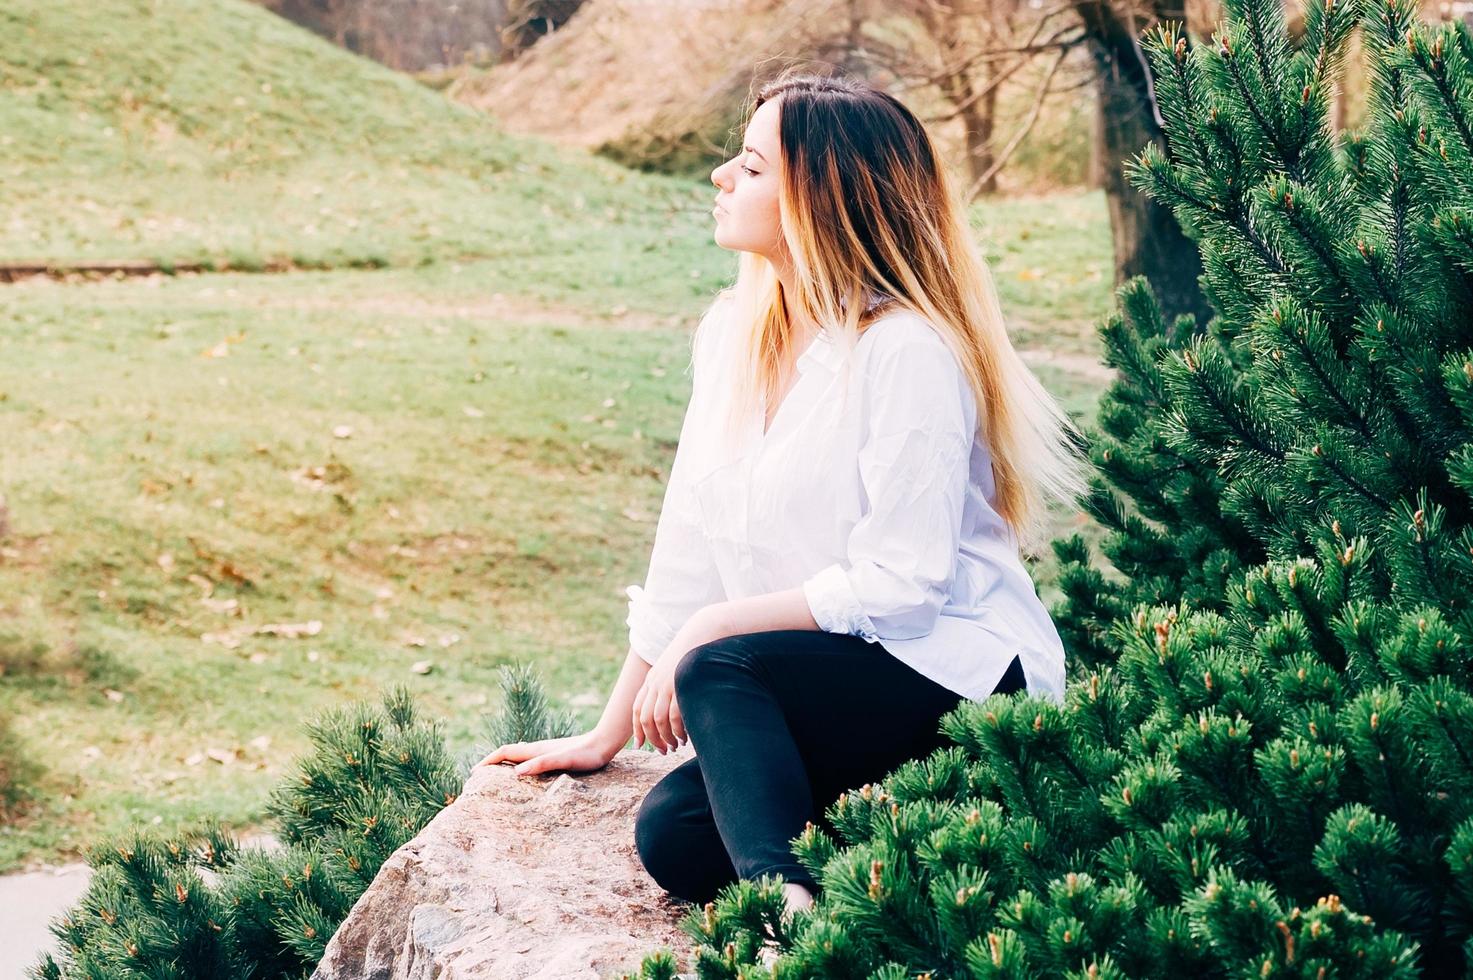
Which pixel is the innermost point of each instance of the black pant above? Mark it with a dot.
(782, 722)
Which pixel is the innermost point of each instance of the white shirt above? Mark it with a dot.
(878, 505)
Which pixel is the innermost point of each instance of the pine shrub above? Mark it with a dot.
(1263, 765)
(198, 906)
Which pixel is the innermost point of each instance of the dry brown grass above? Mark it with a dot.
(623, 69)
(662, 84)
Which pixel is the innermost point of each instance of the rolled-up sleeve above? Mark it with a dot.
(914, 465)
(682, 576)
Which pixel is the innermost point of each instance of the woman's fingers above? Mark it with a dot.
(503, 753)
(538, 763)
(521, 751)
(677, 723)
(647, 721)
(638, 728)
(662, 722)
(647, 725)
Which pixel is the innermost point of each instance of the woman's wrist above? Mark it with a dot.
(610, 740)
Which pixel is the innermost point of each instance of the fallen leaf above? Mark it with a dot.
(292, 630)
(230, 571)
(313, 477)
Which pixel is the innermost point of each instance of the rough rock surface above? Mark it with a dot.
(521, 877)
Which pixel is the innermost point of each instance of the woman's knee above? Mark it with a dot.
(653, 835)
(660, 823)
(666, 848)
(710, 659)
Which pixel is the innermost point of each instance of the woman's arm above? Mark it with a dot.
(616, 724)
(656, 713)
(785, 610)
(621, 717)
(593, 749)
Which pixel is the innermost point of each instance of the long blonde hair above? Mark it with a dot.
(867, 209)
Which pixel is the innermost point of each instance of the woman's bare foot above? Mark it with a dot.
(798, 896)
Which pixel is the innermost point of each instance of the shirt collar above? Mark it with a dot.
(825, 350)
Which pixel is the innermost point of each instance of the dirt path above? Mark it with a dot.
(1080, 364)
(216, 291)
(29, 900)
(28, 903)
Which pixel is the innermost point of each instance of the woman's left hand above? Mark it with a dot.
(656, 713)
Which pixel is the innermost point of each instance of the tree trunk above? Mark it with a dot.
(978, 120)
(953, 26)
(1147, 238)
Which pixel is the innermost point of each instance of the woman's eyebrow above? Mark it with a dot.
(756, 151)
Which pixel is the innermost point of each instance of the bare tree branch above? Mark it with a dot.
(1063, 46)
(1023, 130)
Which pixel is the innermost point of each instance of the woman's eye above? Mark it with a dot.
(749, 171)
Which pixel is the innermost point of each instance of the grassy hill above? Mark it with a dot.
(456, 460)
(188, 130)
(214, 131)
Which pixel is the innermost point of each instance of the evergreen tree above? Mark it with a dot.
(526, 713)
(197, 906)
(1264, 762)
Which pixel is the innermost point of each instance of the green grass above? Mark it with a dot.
(479, 495)
(486, 497)
(211, 130)
(487, 503)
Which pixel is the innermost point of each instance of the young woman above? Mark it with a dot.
(837, 559)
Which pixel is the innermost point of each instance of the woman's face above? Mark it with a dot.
(747, 216)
